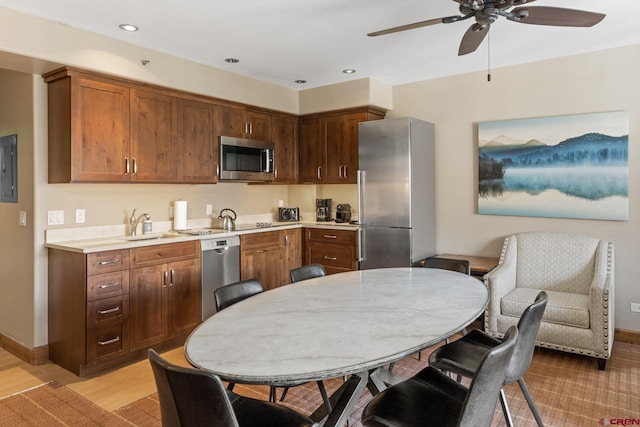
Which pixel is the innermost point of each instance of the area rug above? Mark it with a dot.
(53, 404)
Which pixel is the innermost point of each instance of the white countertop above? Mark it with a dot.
(116, 242)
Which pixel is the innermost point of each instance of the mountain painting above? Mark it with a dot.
(562, 167)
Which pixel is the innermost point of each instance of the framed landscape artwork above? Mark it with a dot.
(563, 167)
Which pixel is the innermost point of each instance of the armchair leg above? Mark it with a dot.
(534, 410)
(602, 364)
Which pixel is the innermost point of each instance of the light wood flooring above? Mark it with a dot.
(110, 391)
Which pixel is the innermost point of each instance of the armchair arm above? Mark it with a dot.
(602, 299)
(500, 281)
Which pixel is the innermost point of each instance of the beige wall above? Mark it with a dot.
(595, 82)
(16, 243)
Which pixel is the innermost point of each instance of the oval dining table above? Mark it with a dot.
(346, 324)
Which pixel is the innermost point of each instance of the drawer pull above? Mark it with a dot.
(111, 341)
(261, 251)
(109, 285)
(109, 310)
(330, 258)
(329, 236)
(113, 261)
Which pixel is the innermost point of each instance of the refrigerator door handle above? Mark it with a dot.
(360, 180)
(360, 244)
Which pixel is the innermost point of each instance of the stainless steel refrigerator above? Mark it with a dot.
(396, 192)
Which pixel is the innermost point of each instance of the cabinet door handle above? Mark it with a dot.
(286, 240)
(113, 261)
(261, 251)
(250, 128)
(329, 236)
(166, 278)
(135, 166)
(319, 172)
(111, 341)
(346, 174)
(109, 310)
(109, 285)
(126, 166)
(340, 172)
(330, 258)
(173, 277)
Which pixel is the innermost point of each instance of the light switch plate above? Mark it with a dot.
(55, 217)
(22, 218)
(635, 307)
(80, 216)
(209, 209)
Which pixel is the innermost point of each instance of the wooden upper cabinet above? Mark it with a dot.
(154, 154)
(196, 138)
(242, 123)
(329, 145)
(88, 131)
(285, 137)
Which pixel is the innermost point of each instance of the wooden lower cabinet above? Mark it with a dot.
(336, 250)
(108, 308)
(268, 256)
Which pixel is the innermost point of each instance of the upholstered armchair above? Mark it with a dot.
(578, 274)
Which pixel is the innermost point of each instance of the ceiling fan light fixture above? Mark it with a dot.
(231, 60)
(349, 71)
(129, 28)
(300, 81)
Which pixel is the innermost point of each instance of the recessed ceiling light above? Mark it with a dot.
(128, 27)
(300, 82)
(232, 60)
(349, 71)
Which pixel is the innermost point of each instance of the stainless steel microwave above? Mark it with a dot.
(245, 159)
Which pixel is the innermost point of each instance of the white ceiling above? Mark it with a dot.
(279, 41)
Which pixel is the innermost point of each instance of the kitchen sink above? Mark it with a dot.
(144, 237)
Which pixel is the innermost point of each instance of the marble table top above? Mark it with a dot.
(335, 325)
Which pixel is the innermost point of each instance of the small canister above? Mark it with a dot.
(147, 226)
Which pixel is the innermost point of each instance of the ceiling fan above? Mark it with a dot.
(486, 12)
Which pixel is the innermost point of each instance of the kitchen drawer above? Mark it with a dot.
(261, 240)
(339, 256)
(107, 310)
(107, 285)
(107, 342)
(332, 236)
(106, 262)
(160, 254)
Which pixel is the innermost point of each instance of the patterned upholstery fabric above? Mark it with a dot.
(578, 274)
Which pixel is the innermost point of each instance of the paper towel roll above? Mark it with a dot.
(180, 215)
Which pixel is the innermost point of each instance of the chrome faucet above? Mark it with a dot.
(135, 221)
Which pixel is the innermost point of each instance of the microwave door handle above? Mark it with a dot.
(265, 159)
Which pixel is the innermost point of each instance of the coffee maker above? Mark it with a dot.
(323, 209)
(343, 212)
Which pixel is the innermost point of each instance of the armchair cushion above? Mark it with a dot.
(563, 308)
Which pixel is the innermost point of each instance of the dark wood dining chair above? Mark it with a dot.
(460, 265)
(463, 356)
(431, 398)
(193, 397)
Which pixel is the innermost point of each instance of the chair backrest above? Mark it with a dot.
(307, 272)
(528, 327)
(460, 265)
(232, 293)
(190, 397)
(556, 261)
(480, 404)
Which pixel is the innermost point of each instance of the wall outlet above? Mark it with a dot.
(280, 203)
(79, 216)
(22, 219)
(635, 307)
(55, 217)
(209, 209)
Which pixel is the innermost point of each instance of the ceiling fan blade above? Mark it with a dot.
(472, 38)
(410, 26)
(543, 15)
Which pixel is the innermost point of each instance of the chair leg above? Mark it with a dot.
(272, 394)
(230, 386)
(602, 363)
(284, 393)
(325, 398)
(534, 410)
(505, 409)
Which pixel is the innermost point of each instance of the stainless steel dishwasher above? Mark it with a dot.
(220, 266)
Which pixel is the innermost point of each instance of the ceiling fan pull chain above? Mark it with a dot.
(489, 55)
